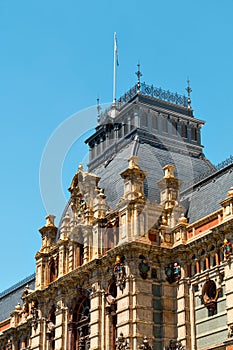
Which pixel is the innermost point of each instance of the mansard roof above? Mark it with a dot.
(152, 160)
(205, 196)
(12, 296)
(155, 149)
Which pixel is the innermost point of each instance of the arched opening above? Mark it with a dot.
(79, 255)
(52, 270)
(81, 328)
(210, 296)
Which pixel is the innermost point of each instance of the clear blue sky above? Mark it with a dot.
(56, 57)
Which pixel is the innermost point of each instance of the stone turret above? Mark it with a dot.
(169, 195)
(48, 234)
(133, 180)
(45, 263)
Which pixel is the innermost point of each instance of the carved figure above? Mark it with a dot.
(173, 272)
(122, 343)
(145, 345)
(230, 331)
(175, 345)
(143, 267)
(119, 273)
(227, 248)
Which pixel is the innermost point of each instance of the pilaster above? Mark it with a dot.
(96, 336)
(183, 313)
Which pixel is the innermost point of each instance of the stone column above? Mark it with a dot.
(71, 257)
(70, 329)
(62, 259)
(95, 323)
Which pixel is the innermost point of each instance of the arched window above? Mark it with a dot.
(109, 238)
(79, 255)
(210, 296)
(52, 271)
(81, 320)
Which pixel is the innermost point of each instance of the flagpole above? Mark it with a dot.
(114, 69)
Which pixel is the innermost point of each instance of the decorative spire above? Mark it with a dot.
(189, 90)
(138, 74)
(98, 107)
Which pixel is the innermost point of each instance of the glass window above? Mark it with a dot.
(193, 133)
(184, 130)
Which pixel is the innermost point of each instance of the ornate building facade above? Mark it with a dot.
(142, 256)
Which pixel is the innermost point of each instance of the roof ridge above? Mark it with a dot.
(206, 177)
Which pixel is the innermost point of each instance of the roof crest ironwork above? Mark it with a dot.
(148, 90)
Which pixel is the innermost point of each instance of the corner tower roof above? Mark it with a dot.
(156, 125)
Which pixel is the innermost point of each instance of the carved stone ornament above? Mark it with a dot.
(175, 345)
(119, 272)
(145, 345)
(35, 315)
(143, 267)
(9, 343)
(111, 304)
(230, 331)
(173, 272)
(227, 248)
(122, 343)
(210, 295)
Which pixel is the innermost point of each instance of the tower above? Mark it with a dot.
(141, 258)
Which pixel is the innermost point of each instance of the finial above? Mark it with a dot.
(18, 307)
(50, 220)
(80, 167)
(138, 74)
(133, 162)
(98, 107)
(169, 171)
(189, 90)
